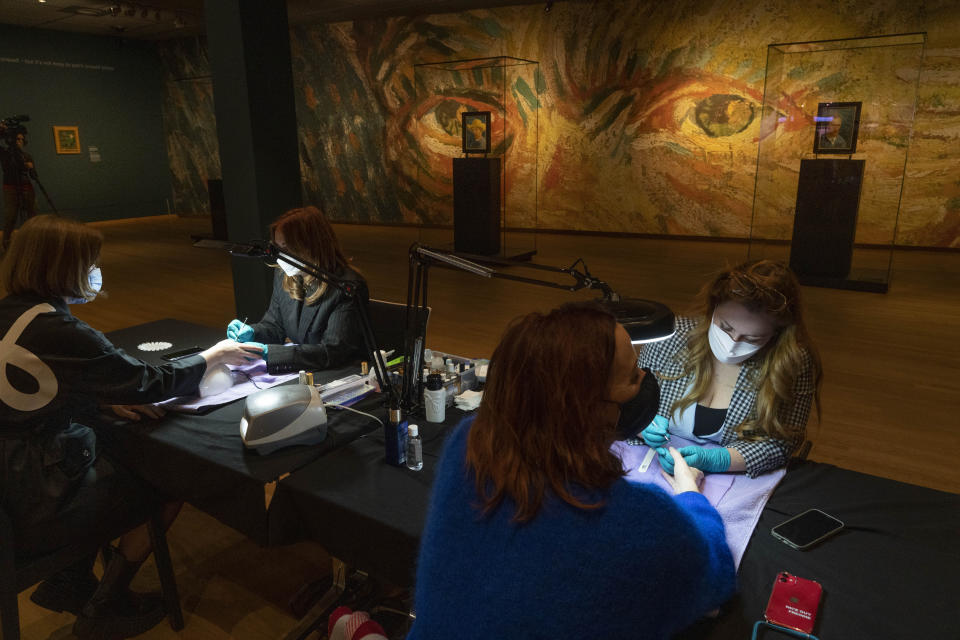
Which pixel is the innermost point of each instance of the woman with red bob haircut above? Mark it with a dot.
(533, 530)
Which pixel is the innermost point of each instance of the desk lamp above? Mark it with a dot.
(644, 320)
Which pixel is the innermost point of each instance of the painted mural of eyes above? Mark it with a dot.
(439, 115)
(709, 108)
(723, 114)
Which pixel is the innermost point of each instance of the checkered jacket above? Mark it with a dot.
(666, 358)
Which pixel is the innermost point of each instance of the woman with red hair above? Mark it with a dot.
(533, 530)
(321, 323)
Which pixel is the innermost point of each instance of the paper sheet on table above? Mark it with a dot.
(737, 498)
(468, 400)
(246, 380)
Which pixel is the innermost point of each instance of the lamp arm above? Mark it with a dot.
(420, 260)
(350, 289)
(582, 277)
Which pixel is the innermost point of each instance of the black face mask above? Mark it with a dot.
(637, 414)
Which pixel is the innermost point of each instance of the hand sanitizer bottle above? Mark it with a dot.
(414, 448)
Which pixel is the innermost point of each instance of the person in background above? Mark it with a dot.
(19, 197)
(321, 322)
(532, 530)
(743, 373)
(56, 373)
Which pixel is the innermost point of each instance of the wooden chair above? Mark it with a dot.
(18, 573)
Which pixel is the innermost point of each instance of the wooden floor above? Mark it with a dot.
(891, 395)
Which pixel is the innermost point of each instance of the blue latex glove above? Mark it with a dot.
(239, 331)
(707, 460)
(262, 346)
(656, 434)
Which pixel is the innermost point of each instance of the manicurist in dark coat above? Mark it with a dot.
(56, 374)
(320, 323)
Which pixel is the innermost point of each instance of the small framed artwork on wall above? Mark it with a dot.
(837, 126)
(475, 126)
(67, 139)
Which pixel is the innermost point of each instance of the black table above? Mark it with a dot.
(889, 574)
(364, 511)
(201, 459)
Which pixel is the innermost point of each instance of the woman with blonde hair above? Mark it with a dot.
(742, 373)
(321, 323)
(56, 372)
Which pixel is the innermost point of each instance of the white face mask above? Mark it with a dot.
(94, 283)
(726, 349)
(288, 268)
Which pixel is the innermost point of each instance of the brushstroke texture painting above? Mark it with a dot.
(648, 113)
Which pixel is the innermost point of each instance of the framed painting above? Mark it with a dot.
(475, 126)
(837, 125)
(67, 139)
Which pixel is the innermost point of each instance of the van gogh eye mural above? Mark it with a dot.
(649, 113)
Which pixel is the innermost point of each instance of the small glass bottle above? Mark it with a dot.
(414, 448)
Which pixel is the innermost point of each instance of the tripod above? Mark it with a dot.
(18, 193)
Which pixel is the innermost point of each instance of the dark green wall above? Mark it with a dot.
(111, 89)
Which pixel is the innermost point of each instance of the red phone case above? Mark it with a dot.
(793, 602)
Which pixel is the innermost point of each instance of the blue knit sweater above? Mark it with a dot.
(646, 565)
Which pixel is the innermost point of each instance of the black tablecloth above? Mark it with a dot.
(201, 459)
(362, 510)
(179, 333)
(889, 574)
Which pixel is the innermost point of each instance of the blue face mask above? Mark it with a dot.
(94, 283)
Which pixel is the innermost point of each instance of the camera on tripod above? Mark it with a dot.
(14, 127)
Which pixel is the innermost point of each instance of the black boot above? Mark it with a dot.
(113, 612)
(68, 590)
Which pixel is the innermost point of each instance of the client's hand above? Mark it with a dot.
(685, 477)
(239, 331)
(231, 352)
(656, 434)
(134, 411)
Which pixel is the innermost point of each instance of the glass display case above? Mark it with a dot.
(478, 114)
(836, 123)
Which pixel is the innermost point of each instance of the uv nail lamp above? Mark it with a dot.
(283, 416)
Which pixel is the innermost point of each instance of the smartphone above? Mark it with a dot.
(182, 353)
(763, 630)
(793, 602)
(807, 529)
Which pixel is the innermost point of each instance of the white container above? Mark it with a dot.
(435, 399)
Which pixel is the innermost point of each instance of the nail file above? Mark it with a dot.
(647, 459)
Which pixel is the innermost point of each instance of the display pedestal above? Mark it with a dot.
(218, 209)
(476, 205)
(506, 90)
(838, 222)
(828, 196)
